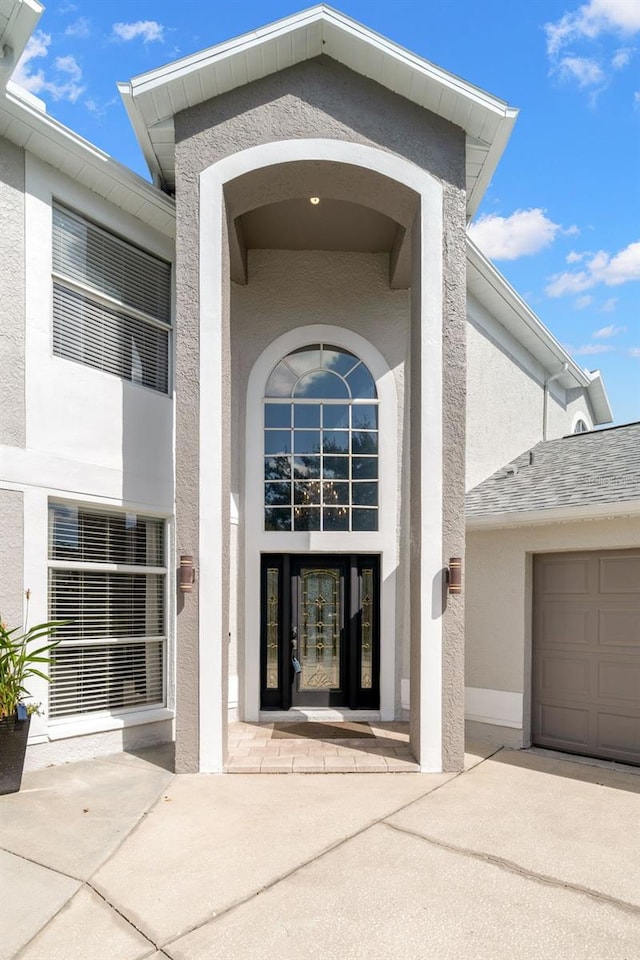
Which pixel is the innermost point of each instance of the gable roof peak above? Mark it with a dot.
(152, 99)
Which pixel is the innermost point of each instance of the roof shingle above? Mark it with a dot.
(599, 467)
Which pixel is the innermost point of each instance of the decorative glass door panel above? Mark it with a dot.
(320, 631)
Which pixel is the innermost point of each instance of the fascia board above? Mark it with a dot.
(599, 399)
(492, 160)
(147, 82)
(523, 315)
(22, 23)
(105, 166)
(142, 133)
(527, 518)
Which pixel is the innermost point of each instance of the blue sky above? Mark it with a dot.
(561, 218)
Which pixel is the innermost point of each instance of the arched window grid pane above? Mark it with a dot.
(321, 454)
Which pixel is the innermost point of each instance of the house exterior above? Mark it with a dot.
(244, 406)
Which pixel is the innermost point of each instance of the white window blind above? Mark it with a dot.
(111, 302)
(107, 578)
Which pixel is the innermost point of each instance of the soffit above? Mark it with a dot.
(152, 99)
(18, 18)
(26, 125)
(495, 293)
(331, 225)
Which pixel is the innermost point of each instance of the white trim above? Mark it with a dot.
(527, 518)
(153, 98)
(586, 419)
(484, 282)
(52, 142)
(405, 694)
(211, 631)
(64, 728)
(499, 707)
(382, 542)
(431, 457)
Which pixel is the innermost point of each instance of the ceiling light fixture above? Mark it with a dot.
(315, 200)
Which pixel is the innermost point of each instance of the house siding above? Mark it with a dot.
(505, 398)
(11, 557)
(12, 295)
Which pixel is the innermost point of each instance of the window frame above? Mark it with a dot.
(103, 299)
(352, 402)
(119, 716)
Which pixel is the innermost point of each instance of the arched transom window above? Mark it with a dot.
(321, 442)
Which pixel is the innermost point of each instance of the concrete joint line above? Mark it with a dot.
(323, 853)
(88, 883)
(44, 866)
(509, 865)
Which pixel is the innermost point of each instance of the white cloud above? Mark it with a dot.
(583, 302)
(636, 98)
(587, 72)
(601, 268)
(591, 20)
(64, 87)
(574, 257)
(611, 331)
(69, 65)
(634, 351)
(148, 30)
(80, 28)
(507, 238)
(588, 349)
(622, 57)
(609, 305)
(98, 108)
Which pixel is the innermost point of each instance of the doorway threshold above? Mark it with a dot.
(318, 714)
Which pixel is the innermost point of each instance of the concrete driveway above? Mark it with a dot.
(522, 856)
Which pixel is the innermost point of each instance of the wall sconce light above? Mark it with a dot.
(187, 574)
(455, 575)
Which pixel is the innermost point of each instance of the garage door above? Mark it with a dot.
(586, 653)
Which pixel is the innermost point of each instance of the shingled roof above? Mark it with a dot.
(583, 470)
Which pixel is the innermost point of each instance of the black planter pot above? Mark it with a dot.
(14, 734)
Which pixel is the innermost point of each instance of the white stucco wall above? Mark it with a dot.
(498, 587)
(505, 398)
(90, 438)
(290, 289)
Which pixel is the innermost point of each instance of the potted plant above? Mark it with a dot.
(19, 657)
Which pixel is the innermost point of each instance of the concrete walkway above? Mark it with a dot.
(522, 856)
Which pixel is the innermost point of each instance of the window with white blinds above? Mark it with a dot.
(107, 580)
(111, 302)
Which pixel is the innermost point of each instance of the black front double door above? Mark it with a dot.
(320, 635)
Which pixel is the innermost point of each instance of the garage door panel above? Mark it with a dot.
(619, 734)
(619, 626)
(568, 724)
(564, 675)
(619, 680)
(619, 574)
(561, 624)
(565, 576)
(586, 653)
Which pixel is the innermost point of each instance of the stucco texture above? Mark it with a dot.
(505, 398)
(316, 99)
(12, 292)
(11, 557)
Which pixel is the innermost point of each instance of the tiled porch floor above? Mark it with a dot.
(251, 750)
